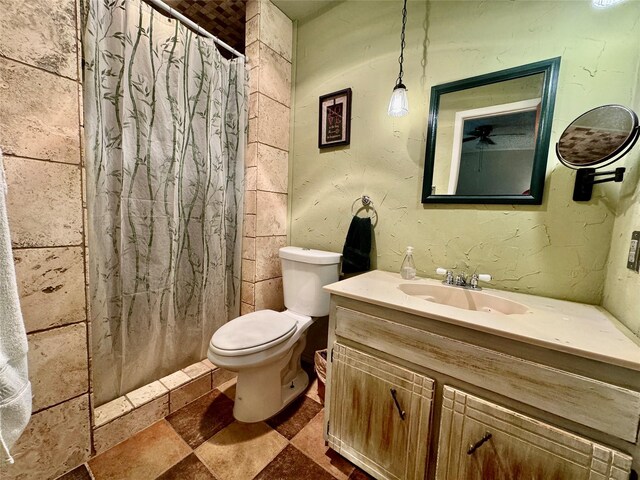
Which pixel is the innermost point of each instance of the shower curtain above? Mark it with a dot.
(165, 128)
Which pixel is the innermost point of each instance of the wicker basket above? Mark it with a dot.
(320, 365)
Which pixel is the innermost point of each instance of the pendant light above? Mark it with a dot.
(605, 3)
(399, 104)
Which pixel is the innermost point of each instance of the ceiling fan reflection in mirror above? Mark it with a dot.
(484, 135)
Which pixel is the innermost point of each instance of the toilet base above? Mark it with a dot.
(291, 391)
(257, 399)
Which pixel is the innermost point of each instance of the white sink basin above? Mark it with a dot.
(463, 298)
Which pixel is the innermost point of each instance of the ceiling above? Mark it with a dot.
(223, 18)
(304, 9)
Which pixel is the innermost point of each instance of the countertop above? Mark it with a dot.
(587, 331)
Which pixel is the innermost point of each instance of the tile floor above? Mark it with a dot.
(202, 441)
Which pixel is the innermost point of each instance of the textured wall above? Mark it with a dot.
(558, 249)
(40, 135)
(622, 286)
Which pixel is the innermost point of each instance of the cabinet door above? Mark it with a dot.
(379, 415)
(509, 445)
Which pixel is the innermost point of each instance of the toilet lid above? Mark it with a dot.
(264, 327)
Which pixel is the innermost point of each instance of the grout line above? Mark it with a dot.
(56, 327)
(48, 407)
(20, 62)
(292, 119)
(271, 146)
(290, 62)
(47, 160)
(40, 247)
(269, 191)
(270, 98)
(14, 247)
(89, 469)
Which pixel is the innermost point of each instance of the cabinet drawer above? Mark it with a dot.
(519, 446)
(599, 405)
(379, 415)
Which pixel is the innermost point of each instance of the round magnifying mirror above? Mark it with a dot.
(599, 136)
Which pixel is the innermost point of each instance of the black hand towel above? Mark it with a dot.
(357, 246)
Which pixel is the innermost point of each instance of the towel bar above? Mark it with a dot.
(367, 204)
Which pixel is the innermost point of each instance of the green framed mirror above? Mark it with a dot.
(488, 136)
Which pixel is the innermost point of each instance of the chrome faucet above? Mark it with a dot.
(462, 279)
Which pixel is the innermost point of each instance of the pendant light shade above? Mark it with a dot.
(605, 3)
(399, 104)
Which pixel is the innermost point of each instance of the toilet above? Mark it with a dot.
(264, 347)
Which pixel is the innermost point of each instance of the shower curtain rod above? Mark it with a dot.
(178, 16)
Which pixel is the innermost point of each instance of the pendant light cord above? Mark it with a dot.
(402, 42)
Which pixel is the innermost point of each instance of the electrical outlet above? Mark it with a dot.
(633, 261)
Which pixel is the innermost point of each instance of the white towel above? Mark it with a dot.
(15, 388)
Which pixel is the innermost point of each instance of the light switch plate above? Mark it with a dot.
(633, 261)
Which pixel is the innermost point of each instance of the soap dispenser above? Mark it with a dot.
(408, 269)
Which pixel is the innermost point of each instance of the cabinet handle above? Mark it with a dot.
(474, 446)
(395, 400)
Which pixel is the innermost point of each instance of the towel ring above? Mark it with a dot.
(365, 204)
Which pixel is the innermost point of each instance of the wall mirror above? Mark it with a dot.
(488, 136)
(595, 139)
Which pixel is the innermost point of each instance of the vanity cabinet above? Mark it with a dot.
(380, 414)
(480, 440)
(550, 416)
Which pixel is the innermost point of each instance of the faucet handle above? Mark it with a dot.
(483, 277)
(448, 275)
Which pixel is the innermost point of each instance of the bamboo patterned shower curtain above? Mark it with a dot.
(165, 127)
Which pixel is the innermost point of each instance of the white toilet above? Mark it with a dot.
(264, 347)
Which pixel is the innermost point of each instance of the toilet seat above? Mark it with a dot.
(253, 332)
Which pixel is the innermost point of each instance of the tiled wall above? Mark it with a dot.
(269, 49)
(119, 419)
(40, 134)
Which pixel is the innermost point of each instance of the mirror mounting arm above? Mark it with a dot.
(586, 179)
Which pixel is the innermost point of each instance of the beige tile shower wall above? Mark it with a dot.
(40, 136)
(269, 49)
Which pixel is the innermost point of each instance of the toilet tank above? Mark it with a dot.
(304, 273)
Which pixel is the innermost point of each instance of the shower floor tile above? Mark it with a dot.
(202, 441)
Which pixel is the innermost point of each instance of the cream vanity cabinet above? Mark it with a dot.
(409, 397)
(380, 412)
(517, 446)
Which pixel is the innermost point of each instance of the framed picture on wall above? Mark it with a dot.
(334, 127)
